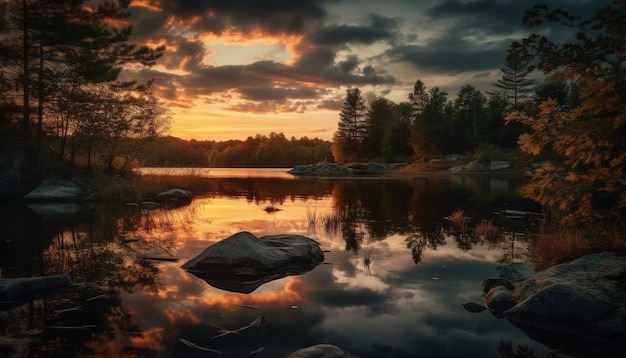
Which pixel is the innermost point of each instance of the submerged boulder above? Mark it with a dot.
(23, 287)
(243, 262)
(585, 298)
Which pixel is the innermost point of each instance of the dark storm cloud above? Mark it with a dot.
(330, 104)
(277, 16)
(147, 23)
(489, 16)
(450, 60)
(378, 29)
(449, 37)
(273, 93)
(467, 37)
(317, 68)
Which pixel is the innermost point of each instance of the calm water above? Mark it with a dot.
(392, 285)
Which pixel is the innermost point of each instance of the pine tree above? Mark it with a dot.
(352, 127)
(418, 99)
(516, 87)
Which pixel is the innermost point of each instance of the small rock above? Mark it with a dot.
(490, 283)
(499, 299)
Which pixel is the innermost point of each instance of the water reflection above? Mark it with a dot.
(394, 277)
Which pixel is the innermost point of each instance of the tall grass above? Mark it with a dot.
(487, 230)
(559, 242)
(459, 221)
(553, 247)
(311, 219)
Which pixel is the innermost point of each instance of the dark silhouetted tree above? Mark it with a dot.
(516, 87)
(351, 129)
(468, 106)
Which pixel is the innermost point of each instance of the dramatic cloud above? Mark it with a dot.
(285, 56)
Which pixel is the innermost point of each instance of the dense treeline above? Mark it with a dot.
(431, 124)
(274, 150)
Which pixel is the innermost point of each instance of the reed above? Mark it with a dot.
(311, 219)
(487, 230)
(331, 224)
(459, 221)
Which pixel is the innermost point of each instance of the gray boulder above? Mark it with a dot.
(243, 262)
(321, 170)
(321, 351)
(174, 197)
(499, 164)
(60, 190)
(336, 170)
(585, 298)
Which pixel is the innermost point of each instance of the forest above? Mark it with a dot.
(274, 150)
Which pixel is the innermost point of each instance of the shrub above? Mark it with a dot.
(488, 153)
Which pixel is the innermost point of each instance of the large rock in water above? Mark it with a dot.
(60, 190)
(174, 197)
(584, 300)
(243, 262)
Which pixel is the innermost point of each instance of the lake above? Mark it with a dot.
(395, 275)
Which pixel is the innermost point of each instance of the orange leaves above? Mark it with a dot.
(618, 160)
(527, 144)
(572, 176)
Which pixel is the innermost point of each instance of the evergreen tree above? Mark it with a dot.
(351, 129)
(418, 99)
(430, 128)
(379, 119)
(516, 87)
(469, 106)
(555, 89)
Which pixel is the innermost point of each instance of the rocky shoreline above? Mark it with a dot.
(444, 166)
(577, 307)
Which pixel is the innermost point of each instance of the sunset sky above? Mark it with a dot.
(236, 68)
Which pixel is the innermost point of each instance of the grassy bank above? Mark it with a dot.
(552, 247)
(135, 187)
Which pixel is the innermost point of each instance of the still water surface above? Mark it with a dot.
(392, 284)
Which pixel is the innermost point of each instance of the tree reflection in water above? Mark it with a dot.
(104, 252)
(89, 318)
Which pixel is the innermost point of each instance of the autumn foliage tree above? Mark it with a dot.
(587, 182)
